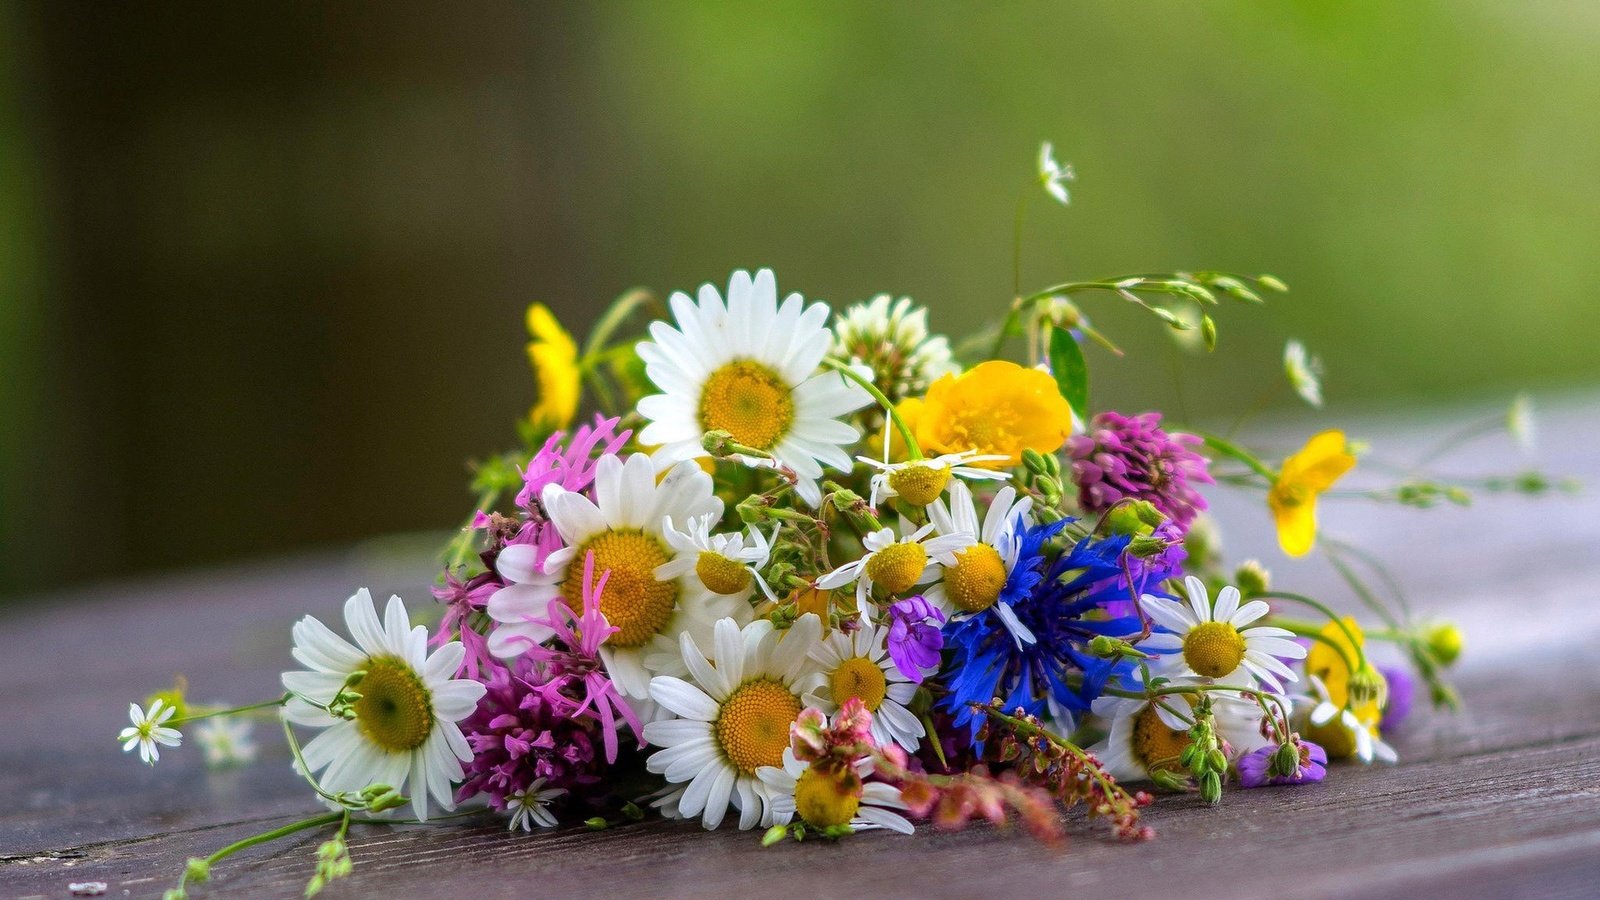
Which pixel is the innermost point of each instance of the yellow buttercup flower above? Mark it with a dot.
(997, 408)
(1361, 696)
(554, 357)
(1305, 475)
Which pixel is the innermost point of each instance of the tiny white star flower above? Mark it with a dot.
(1053, 175)
(148, 730)
(529, 806)
(226, 741)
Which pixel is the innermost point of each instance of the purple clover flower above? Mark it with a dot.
(1131, 457)
(915, 638)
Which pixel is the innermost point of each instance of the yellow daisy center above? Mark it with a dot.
(753, 727)
(1156, 746)
(861, 678)
(974, 582)
(898, 566)
(395, 710)
(633, 600)
(919, 484)
(827, 797)
(720, 574)
(1213, 649)
(749, 401)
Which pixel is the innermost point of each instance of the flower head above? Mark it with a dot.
(1304, 476)
(225, 741)
(997, 408)
(749, 368)
(915, 638)
(525, 741)
(858, 666)
(922, 481)
(1304, 372)
(530, 805)
(148, 730)
(727, 564)
(1053, 175)
(554, 358)
(890, 337)
(403, 725)
(1122, 457)
(1295, 761)
(1212, 641)
(827, 795)
(733, 717)
(894, 564)
(1347, 709)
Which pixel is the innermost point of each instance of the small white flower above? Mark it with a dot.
(828, 799)
(1054, 175)
(977, 574)
(897, 565)
(226, 741)
(1304, 372)
(1521, 423)
(1145, 737)
(148, 730)
(529, 806)
(891, 338)
(858, 665)
(1209, 640)
(725, 563)
(922, 481)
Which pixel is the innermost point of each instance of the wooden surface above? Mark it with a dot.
(1502, 799)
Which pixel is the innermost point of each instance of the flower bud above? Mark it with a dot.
(1445, 642)
(1252, 578)
(197, 869)
(1137, 518)
(717, 442)
(1211, 787)
(1148, 547)
(1367, 685)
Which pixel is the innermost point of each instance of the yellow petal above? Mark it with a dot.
(1321, 462)
(1297, 526)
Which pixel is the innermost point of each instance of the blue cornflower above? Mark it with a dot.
(1052, 601)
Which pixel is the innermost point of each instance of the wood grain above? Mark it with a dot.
(1500, 800)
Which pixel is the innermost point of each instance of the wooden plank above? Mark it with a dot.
(1500, 800)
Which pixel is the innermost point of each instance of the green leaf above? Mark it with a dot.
(1071, 372)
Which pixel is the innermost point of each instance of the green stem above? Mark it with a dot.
(231, 711)
(913, 449)
(1319, 606)
(265, 837)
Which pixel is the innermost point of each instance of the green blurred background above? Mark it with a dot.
(263, 266)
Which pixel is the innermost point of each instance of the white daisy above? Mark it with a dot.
(824, 798)
(1053, 175)
(734, 716)
(1211, 642)
(858, 665)
(922, 481)
(891, 338)
(896, 565)
(622, 527)
(529, 806)
(1145, 737)
(972, 581)
(148, 730)
(405, 720)
(226, 741)
(1341, 724)
(725, 563)
(749, 368)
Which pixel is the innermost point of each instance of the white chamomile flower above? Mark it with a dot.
(895, 564)
(858, 665)
(226, 741)
(733, 717)
(1146, 737)
(1053, 175)
(528, 806)
(148, 730)
(1337, 725)
(1211, 642)
(750, 368)
(973, 579)
(405, 726)
(825, 798)
(921, 481)
(622, 527)
(890, 337)
(728, 564)
(1304, 372)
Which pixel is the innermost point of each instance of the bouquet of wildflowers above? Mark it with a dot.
(817, 573)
